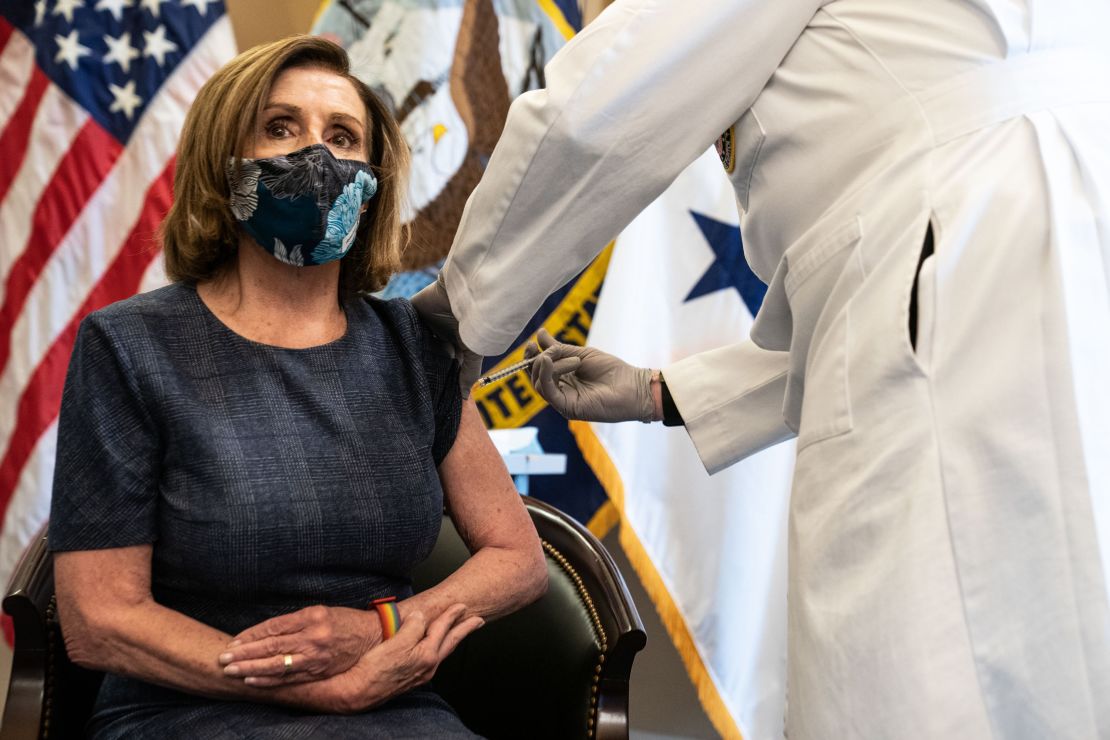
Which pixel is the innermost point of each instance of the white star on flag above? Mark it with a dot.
(70, 49)
(154, 6)
(120, 51)
(157, 45)
(125, 99)
(66, 8)
(115, 7)
(200, 5)
(40, 11)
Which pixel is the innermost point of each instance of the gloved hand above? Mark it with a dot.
(434, 307)
(586, 383)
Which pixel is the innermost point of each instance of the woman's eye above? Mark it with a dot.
(344, 140)
(277, 130)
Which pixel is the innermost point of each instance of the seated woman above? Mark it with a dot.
(251, 455)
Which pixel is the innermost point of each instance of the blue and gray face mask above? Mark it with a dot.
(302, 207)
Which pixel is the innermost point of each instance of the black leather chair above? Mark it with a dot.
(557, 669)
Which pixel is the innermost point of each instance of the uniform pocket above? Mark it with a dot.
(807, 262)
(826, 407)
(820, 281)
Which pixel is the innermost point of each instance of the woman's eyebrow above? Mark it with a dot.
(283, 106)
(347, 119)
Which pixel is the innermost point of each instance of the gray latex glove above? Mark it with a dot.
(434, 307)
(586, 383)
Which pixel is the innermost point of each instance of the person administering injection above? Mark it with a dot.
(925, 187)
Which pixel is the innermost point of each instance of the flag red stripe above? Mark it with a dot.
(13, 140)
(79, 174)
(42, 396)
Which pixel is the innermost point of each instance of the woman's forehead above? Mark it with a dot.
(316, 90)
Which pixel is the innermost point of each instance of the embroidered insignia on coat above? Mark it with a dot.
(726, 150)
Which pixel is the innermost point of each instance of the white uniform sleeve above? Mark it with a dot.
(630, 102)
(730, 400)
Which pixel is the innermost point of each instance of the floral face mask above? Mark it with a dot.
(302, 207)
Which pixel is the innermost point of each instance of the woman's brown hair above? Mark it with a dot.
(200, 236)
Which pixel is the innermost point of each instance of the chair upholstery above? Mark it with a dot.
(557, 669)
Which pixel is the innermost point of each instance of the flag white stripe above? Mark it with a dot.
(30, 503)
(107, 219)
(16, 64)
(56, 124)
(154, 277)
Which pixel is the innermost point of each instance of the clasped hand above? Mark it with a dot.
(343, 650)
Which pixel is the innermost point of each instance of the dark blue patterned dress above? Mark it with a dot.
(268, 480)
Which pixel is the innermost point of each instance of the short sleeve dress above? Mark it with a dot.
(267, 479)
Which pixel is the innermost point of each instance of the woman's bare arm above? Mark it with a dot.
(507, 569)
(110, 622)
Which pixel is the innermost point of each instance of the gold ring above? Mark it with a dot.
(287, 662)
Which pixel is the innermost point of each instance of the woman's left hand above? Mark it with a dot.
(321, 641)
(407, 660)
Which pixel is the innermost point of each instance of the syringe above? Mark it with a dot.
(506, 372)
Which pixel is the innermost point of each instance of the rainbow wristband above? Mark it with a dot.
(389, 614)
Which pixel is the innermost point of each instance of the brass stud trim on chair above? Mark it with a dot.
(595, 619)
(51, 666)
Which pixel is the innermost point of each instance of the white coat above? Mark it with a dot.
(946, 575)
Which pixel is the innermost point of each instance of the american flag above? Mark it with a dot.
(93, 94)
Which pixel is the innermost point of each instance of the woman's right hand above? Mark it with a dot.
(403, 662)
(321, 641)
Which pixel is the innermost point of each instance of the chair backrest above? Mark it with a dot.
(48, 696)
(557, 669)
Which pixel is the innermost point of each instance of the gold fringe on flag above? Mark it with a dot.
(319, 12)
(597, 457)
(603, 520)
